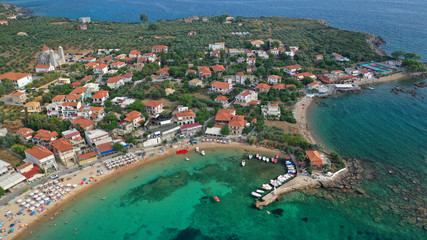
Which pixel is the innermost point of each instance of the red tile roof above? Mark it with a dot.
(314, 157)
(189, 126)
(274, 77)
(62, 145)
(188, 113)
(221, 85)
(153, 103)
(25, 132)
(75, 84)
(39, 152)
(279, 86)
(13, 76)
(100, 94)
(132, 116)
(221, 99)
(237, 121)
(225, 115)
(34, 170)
(45, 135)
(101, 66)
(84, 123)
(87, 155)
(43, 66)
(87, 78)
(58, 98)
(294, 67)
(218, 68)
(159, 47)
(263, 86)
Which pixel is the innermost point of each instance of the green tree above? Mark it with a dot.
(1, 191)
(138, 105)
(118, 147)
(225, 131)
(143, 17)
(153, 27)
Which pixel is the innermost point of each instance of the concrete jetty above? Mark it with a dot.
(298, 183)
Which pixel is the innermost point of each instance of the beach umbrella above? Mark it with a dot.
(27, 205)
(75, 185)
(38, 199)
(19, 200)
(36, 191)
(37, 205)
(41, 202)
(11, 230)
(46, 199)
(69, 185)
(32, 202)
(84, 179)
(32, 208)
(22, 225)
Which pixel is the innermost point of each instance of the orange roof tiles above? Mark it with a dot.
(237, 121)
(153, 103)
(31, 104)
(84, 123)
(218, 68)
(132, 116)
(225, 115)
(159, 47)
(294, 67)
(274, 77)
(39, 152)
(101, 66)
(45, 135)
(62, 145)
(87, 78)
(263, 86)
(221, 99)
(25, 132)
(58, 98)
(221, 85)
(43, 66)
(100, 94)
(314, 157)
(13, 76)
(279, 86)
(187, 113)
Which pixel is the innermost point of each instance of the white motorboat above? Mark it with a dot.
(267, 186)
(203, 153)
(197, 149)
(243, 163)
(255, 194)
(371, 88)
(250, 156)
(267, 159)
(264, 158)
(187, 159)
(259, 191)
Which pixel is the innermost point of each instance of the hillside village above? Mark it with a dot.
(74, 108)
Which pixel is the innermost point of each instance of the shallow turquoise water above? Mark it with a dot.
(174, 201)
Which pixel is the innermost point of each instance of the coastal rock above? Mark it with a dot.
(375, 43)
(360, 191)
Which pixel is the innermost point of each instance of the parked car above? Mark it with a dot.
(54, 176)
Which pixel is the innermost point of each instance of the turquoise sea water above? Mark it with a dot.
(174, 201)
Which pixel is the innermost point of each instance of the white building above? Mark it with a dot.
(19, 79)
(273, 79)
(217, 46)
(44, 68)
(247, 97)
(272, 109)
(41, 156)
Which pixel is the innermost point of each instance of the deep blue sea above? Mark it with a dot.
(387, 132)
(402, 23)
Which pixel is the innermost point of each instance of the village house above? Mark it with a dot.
(338, 57)
(44, 137)
(25, 134)
(262, 87)
(366, 74)
(19, 79)
(100, 97)
(250, 53)
(101, 140)
(134, 54)
(217, 46)
(132, 121)
(101, 69)
(223, 116)
(30, 171)
(115, 82)
(205, 19)
(272, 79)
(123, 102)
(159, 49)
(44, 68)
(42, 157)
(117, 65)
(204, 72)
(218, 69)
(235, 52)
(4, 22)
(184, 117)
(164, 72)
(301, 76)
(262, 54)
(19, 97)
(154, 107)
(64, 152)
(33, 107)
(87, 79)
(87, 59)
(74, 137)
(62, 81)
(221, 87)
(75, 84)
(86, 124)
(316, 159)
(247, 97)
(292, 69)
(251, 61)
(81, 27)
(190, 129)
(190, 71)
(195, 82)
(318, 57)
(11, 17)
(223, 100)
(192, 33)
(271, 110)
(237, 124)
(98, 113)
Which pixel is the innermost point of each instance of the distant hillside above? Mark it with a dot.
(313, 37)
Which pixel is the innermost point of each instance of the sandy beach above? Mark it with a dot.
(55, 208)
(300, 113)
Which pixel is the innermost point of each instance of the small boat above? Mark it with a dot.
(264, 158)
(197, 149)
(274, 160)
(187, 159)
(203, 153)
(216, 199)
(371, 88)
(267, 187)
(103, 198)
(257, 156)
(243, 163)
(267, 159)
(277, 156)
(259, 191)
(250, 156)
(255, 194)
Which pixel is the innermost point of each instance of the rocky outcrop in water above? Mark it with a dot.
(348, 179)
(375, 43)
(397, 90)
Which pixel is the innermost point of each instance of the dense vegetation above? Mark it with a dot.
(313, 37)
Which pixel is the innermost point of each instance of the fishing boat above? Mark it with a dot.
(216, 199)
(267, 187)
(277, 156)
(203, 153)
(264, 158)
(274, 160)
(250, 156)
(259, 191)
(371, 88)
(197, 149)
(267, 159)
(243, 163)
(103, 198)
(255, 194)
(257, 156)
(187, 159)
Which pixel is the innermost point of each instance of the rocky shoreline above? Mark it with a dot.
(412, 92)
(375, 42)
(349, 179)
